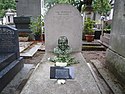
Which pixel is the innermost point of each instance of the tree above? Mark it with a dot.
(76, 3)
(102, 6)
(6, 4)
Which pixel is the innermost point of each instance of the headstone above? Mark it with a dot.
(23, 24)
(28, 7)
(10, 60)
(63, 20)
(9, 40)
(116, 52)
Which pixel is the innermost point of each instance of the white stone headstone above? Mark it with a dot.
(63, 20)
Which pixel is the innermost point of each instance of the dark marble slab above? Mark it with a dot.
(6, 59)
(9, 40)
(8, 73)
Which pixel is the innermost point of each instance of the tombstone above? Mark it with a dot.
(115, 59)
(28, 7)
(10, 60)
(63, 20)
(22, 24)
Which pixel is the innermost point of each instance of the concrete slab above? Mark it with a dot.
(24, 45)
(31, 50)
(40, 82)
(109, 78)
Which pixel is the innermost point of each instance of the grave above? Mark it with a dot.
(116, 51)
(62, 20)
(22, 24)
(10, 60)
(28, 7)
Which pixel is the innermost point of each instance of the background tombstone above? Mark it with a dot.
(116, 52)
(28, 7)
(63, 20)
(9, 40)
(10, 60)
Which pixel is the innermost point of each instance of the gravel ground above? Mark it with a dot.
(89, 55)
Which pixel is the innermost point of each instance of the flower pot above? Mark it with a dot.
(61, 64)
(23, 39)
(37, 37)
(89, 38)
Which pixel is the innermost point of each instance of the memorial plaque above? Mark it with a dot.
(61, 72)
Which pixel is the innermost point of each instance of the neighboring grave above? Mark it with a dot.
(116, 52)
(63, 20)
(10, 60)
(9, 40)
(28, 7)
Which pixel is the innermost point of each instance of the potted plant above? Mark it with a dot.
(36, 27)
(88, 29)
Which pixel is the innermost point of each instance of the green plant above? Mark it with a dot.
(36, 25)
(88, 26)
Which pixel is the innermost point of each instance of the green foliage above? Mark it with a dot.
(36, 25)
(50, 3)
(6, 4)
(64, 58)
(102, 6)
(88, 26)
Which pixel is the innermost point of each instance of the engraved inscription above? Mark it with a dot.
(63, 12)
(62, 73)
(7, 40)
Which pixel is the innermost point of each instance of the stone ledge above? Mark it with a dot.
(40, 82)
(116, 64)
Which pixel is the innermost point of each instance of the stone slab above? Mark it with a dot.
(28, 7)
(6, 59)
(30, 51)
(116, 64)
(110, 79)
(12, 86)
(118, 28)
(8, 73)
(24, 45)
(63, 20)
(40, 82)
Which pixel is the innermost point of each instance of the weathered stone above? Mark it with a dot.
(116, 64)
(63, 20)
(28, 7)
(116, 54)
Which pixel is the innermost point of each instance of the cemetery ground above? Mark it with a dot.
(105, 87)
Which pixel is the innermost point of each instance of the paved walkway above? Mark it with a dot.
(40, 82)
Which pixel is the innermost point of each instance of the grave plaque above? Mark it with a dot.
(61, 72)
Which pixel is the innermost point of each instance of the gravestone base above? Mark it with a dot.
(116, 64)
(8, 73)
(6, 59)
(40, 82)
